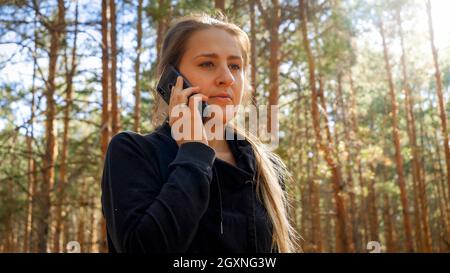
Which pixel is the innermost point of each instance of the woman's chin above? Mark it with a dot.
(224, 111)
(222, 120)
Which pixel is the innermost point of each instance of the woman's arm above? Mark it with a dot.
(145, 214)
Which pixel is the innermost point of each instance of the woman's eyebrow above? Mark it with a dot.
(214, 55)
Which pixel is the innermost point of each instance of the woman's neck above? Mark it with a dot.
(222, 149)
(216, 139)
(219, 145)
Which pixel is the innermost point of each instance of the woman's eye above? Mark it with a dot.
(206, 64)
(235, 67)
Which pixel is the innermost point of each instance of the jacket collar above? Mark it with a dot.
(242, 151)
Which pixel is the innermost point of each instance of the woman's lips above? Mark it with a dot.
(221, 97)
(222, 94)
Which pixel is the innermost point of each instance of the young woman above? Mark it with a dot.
(197, 194)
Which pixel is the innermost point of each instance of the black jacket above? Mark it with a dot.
(157, 197)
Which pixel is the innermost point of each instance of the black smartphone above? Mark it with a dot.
(168, 79)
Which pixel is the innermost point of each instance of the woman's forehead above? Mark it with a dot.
(213, 42)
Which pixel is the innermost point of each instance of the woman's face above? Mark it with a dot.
(213, 61)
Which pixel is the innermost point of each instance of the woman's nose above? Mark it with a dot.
(225, 77)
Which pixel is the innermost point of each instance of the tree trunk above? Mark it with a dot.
(65, 231)
(8, 215)
(31, 187)
(389, 221)
(440, 170)
(60, 192)
(163, 19)
(106, 126)
(253, 41)
(105, 129)
(315, 210)
(418, 178)
(296, 129)
(442, 111)
(437, 171)
(327, 237)
(372, 209)
(31, 182)
(316, 242)
(351, 189)
(137, 90)
(417, 213)
(396, 138)
(323, 106)
(220, 5)
(81, 229)
(363, 207)
(274, 66)
(337, 118)
(388, 226)
(56, 31)
(444, 224)
(316, 226)
(93, 227)
(343, 243)
(115, 111)
(306, 193)
(357, 147)
(32, 243)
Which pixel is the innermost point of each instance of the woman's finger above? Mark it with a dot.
(179, 83)
(176, 89)
(195, 100)
(188, 92)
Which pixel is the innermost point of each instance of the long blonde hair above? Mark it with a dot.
(271, 171)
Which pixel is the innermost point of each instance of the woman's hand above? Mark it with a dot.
(189, 126)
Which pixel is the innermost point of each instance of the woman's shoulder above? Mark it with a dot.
(159, 139)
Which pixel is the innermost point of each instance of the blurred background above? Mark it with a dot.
(362, 87)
